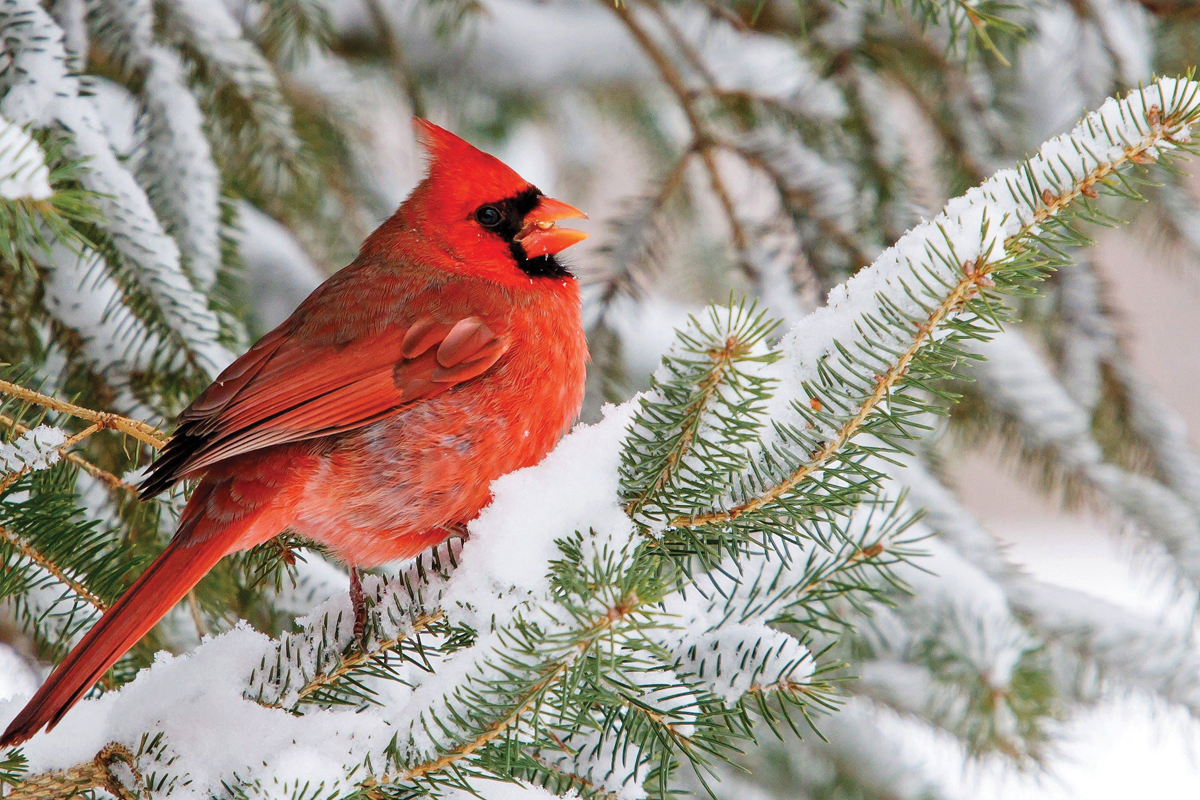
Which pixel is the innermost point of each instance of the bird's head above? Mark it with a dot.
(485, 215)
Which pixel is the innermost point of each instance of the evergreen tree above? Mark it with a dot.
(734, 580)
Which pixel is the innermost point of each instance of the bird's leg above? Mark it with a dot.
(359, 601)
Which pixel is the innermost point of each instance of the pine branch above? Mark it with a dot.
(49, 566)
(135, 235)
(96, 472)
(95, 774)
(1150, 131)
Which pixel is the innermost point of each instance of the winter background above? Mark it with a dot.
(933, 97)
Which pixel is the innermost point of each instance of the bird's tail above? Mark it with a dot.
(172, 575)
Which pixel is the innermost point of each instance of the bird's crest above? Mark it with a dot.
(454, 162)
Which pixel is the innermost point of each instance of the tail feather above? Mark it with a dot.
(172, 575)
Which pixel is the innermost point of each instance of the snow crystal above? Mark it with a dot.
(23, 171)
(35, 449)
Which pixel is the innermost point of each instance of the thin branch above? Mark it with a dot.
(594, 632)
(358, 658)
(395, 51)
(588, 788)
(702, 141)
(723, 361)
(96, 472)
(141, 431)
(80, 780)
(492, 732)
(49, 566)
(683, 45)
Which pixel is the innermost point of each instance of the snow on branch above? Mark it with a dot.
(261, 122)
(1104, 640)
(843, 363)
(23, 170)
(1021, 384)
(41, 92)
(36, 449)
(593, 637)
(177, 168)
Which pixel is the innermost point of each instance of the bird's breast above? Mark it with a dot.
(391, 486)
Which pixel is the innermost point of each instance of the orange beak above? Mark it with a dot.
(541, 237)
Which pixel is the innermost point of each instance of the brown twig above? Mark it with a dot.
(141, 431)
(96, 472)
(683, 45)
(702, 141)
(33, 555)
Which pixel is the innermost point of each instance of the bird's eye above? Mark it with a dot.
(489, 216)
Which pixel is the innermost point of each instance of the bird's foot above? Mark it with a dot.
(359, 601)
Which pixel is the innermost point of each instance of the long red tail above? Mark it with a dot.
(161, 586)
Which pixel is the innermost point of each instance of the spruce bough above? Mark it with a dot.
(740, 513)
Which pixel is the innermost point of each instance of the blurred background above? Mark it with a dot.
(770, 148)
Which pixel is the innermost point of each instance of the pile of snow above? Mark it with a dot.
(23, 171)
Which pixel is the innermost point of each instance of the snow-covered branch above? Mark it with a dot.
(683, 549)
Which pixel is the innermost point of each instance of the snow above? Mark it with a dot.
(23, 171)
(213, 732)
(236, 64)
(575, 488)
(731, 658)
(83, 295)
(42, 93)
(16, 676)
(972, 227)
(178, 165)
(33, 450)
(278, 270)
(209, 725)
(199, 700)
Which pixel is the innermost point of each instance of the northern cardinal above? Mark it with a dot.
(373, 420)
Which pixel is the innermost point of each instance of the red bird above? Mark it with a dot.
(374, 419)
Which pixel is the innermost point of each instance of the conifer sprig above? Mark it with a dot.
(615, 672)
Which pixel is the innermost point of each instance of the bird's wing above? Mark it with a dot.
(282, 390)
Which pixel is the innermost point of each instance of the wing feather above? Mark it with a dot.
(283, 390)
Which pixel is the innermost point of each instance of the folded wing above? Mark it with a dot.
(283, 390)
